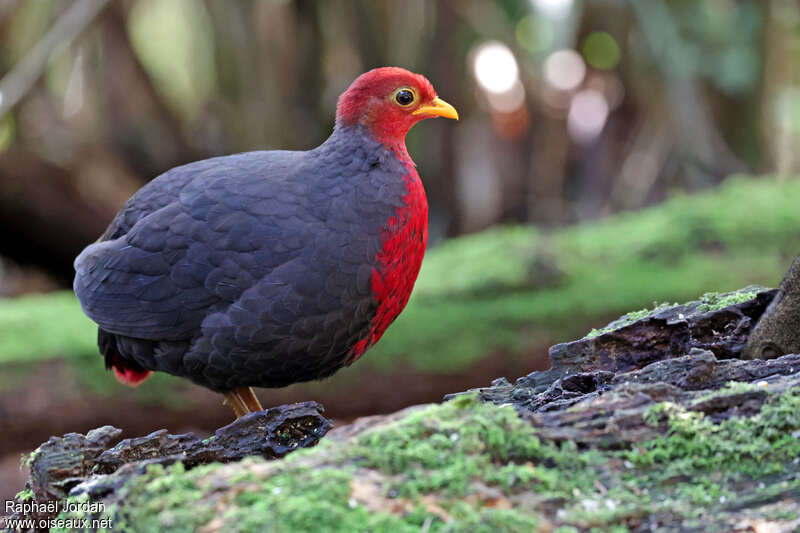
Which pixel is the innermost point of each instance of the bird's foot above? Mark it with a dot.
(243, 400)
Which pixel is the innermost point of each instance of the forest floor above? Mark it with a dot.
(650, 424)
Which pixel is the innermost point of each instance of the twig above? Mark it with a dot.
(18, 82)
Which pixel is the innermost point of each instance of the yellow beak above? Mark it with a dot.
(437, 108)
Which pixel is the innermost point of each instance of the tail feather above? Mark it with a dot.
(126, 371)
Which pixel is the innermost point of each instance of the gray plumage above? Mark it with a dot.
(246, 270)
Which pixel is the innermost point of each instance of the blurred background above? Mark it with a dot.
(610, 154)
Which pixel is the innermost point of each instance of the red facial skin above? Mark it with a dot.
(369, 101)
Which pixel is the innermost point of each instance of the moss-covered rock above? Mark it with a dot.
(710, 301)
(685, 442)
(471, 466)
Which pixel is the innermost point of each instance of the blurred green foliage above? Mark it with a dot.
(535, 34)
(721, 41)
(186, 75)
(38, 327)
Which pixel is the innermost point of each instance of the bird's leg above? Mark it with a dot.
(236, 403)
(248, 398)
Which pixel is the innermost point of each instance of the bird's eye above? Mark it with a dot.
(404, 97)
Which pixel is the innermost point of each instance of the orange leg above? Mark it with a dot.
(249, 399)
(243, 400)
(236, 403)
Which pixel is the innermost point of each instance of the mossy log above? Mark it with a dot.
(672, 432)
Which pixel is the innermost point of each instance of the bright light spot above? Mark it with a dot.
(1, 98)
(601, 50)
(495, 67)
(564, 69)
(588, 113)
(509, 101)
(553, 8)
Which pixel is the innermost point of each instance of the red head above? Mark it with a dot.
(389, 101)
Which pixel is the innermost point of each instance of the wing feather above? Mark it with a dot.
(170, 256)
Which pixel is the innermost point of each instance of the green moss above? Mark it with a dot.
(447, 448)
(630, 318)
(730, 388)
(164, 500)
(657, 412)
(69, 521)
(467, 466)
(756, 446)
(784, 515)
(712, 301)
(27, 459)
(421, 458)
(24, 495)
(298, 500)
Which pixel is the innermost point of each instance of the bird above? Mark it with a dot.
(267, 268)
